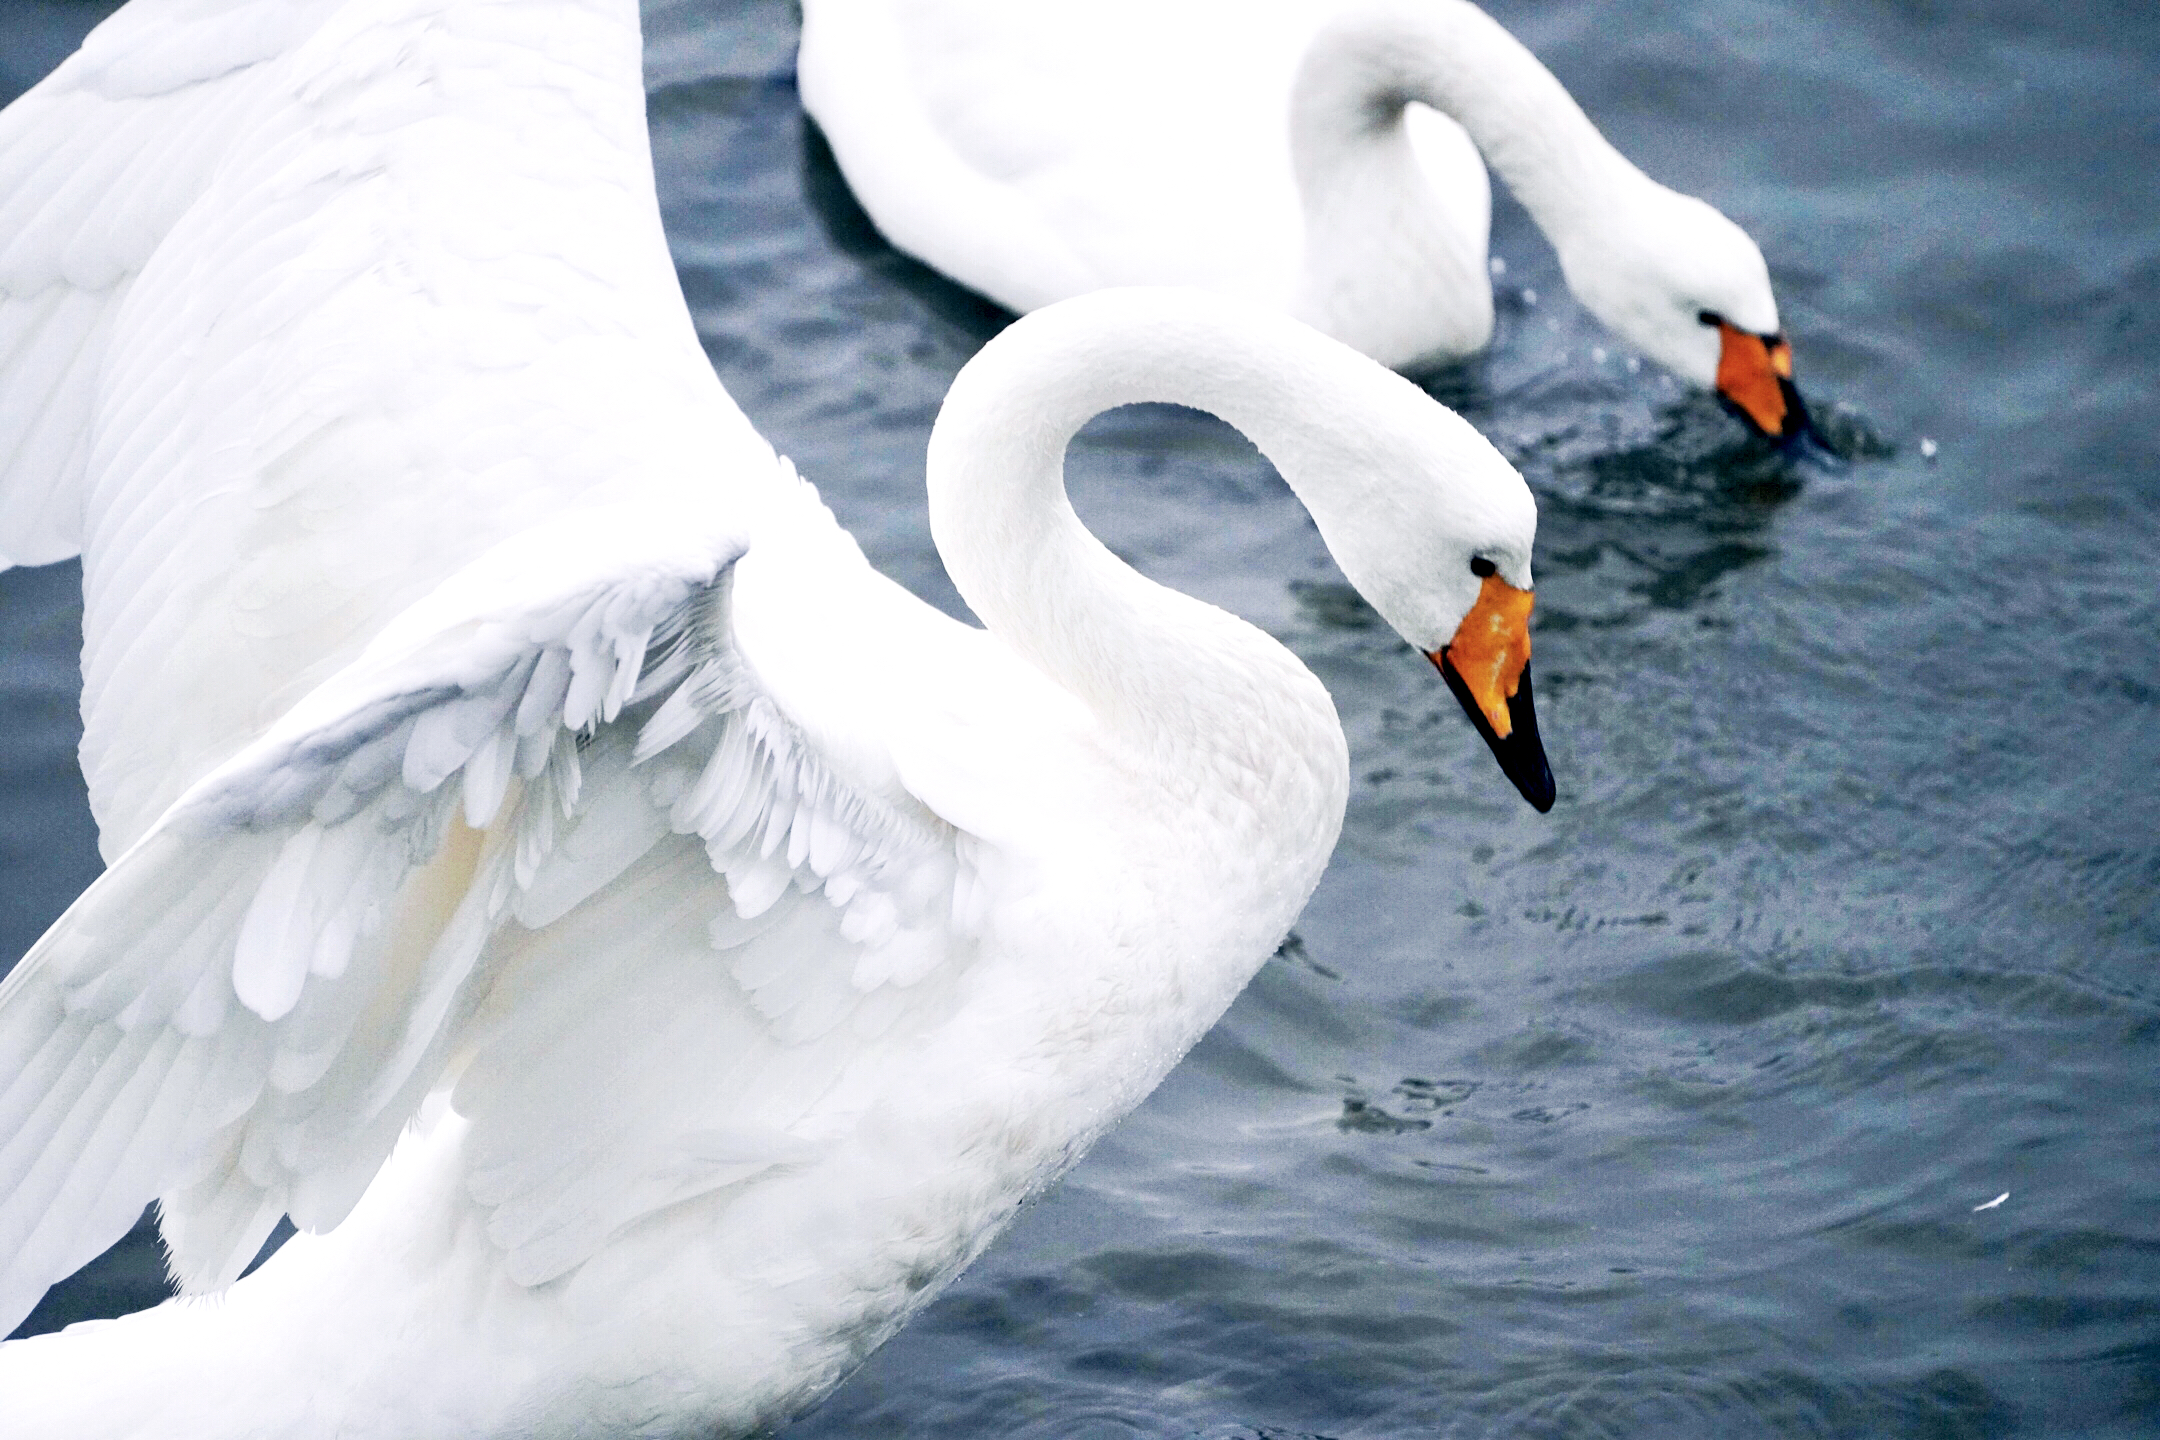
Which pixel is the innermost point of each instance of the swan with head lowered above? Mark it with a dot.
(1319, 156)
(646, 952)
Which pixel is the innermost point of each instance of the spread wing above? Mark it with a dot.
(550, 837)
(96, 164)
(359, 301)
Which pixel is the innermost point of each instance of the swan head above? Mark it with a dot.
(1431, 523)
(1687, 287)
(1437, 537)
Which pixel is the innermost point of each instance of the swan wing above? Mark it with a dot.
(413, 294)
(799, 918)
(547, 820)
(97, 163)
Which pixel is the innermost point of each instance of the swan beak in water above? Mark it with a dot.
(1487, 665)
(1754, 379)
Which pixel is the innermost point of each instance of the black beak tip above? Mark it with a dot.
(1521, 754)
(1535, 782)
(1799, 427)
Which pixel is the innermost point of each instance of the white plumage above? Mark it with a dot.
(1325, 157)
(647, 951)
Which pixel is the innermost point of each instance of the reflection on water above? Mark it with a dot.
(1667, 1114)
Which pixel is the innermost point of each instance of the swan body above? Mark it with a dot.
(1324, 157)
(645, 951)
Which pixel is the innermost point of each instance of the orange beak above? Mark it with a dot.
(1754, 377)
(1487, 665)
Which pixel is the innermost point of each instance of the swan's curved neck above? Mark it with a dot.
(1163, 666)
(1365, 65)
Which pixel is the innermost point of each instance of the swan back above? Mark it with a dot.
(1035, 152)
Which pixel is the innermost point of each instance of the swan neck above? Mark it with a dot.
(1368, 63)
(1146, 658)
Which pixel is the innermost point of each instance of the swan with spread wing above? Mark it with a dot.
(645, 951)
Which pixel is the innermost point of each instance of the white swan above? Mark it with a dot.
(650, 951)
(1299, 153)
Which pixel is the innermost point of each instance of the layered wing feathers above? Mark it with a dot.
(455, 845)
(320, 349)
(96, 165)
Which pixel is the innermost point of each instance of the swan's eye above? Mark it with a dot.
(1709, 317)
(1481, 567)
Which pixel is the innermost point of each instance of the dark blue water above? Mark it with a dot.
(1666, 1114)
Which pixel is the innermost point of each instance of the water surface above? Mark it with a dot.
(1667, 1114)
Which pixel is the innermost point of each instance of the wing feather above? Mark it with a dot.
(549, 821)
(111, 1118)
(97, 163)
(289, 918)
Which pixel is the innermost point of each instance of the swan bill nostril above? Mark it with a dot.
(1754, 379)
